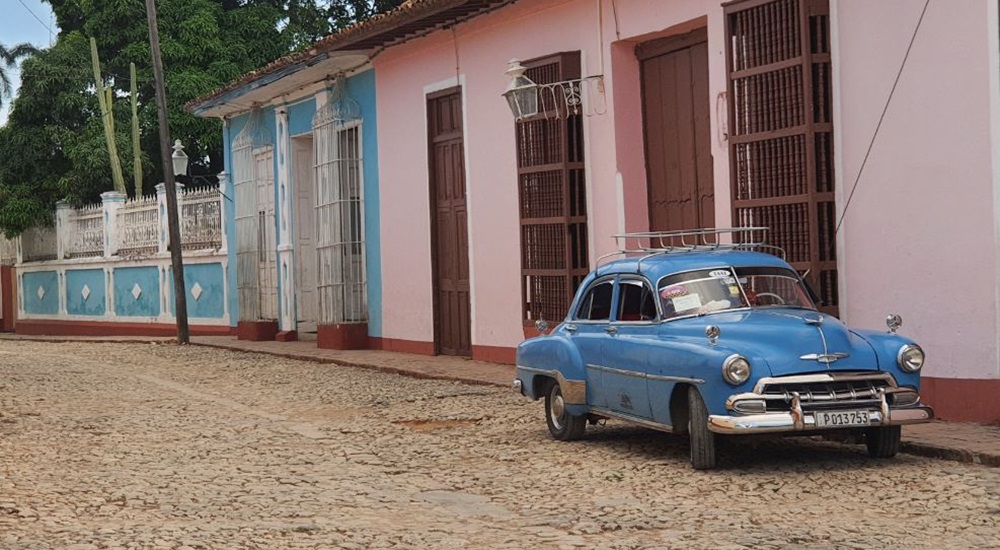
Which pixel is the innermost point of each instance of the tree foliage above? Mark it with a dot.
(53, 146)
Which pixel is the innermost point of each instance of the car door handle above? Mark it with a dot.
(611, 330)
(570, 328)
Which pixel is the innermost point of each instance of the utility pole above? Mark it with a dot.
(173, 228)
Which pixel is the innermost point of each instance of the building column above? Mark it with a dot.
(286, 248)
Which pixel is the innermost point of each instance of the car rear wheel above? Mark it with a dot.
(562, 425)
(702, 439)
(883, 442)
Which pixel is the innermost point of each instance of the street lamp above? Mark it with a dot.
(180, 159)
(521, 93)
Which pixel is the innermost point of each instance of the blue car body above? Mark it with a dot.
(803, 364)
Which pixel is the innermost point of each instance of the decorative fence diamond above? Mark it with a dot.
(196, 291)
(40, 292)
(136, 291)
(85, 292)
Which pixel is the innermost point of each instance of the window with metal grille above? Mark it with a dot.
(340, 246)
(267, 246)
(781, 131)
(552, 195)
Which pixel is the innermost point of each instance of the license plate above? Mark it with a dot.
(842, 419)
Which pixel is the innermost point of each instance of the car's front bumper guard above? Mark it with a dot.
(798, 420)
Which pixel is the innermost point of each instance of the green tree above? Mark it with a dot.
(9, 57)
(53, 146)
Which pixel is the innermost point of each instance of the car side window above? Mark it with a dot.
(636, 302)
(596, 304)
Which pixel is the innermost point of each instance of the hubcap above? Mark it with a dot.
(558, 407)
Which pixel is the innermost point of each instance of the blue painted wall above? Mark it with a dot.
(148, 303)
(93, 280)
(300, 116)
(362, 88)
(211, 302)
(48, 304)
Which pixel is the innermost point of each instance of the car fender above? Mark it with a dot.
(553, 356)
(887, 346)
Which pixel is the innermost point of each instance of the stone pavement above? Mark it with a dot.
(963, 442)
(164, 447)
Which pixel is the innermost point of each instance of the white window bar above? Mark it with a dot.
(340, 247)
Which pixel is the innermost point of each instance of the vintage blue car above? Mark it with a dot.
(714, 340)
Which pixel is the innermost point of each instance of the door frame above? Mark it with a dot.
(298, 258)
(432, 211)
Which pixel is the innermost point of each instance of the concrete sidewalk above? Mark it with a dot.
(963, 442)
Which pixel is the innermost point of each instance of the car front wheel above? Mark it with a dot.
(562, 425)
(702, 439)
(883, 442)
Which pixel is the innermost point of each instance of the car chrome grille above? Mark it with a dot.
(826, 395)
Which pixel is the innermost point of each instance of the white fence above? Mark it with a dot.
(128, 228)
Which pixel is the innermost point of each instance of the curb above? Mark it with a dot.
(342, 363)
(949, 453)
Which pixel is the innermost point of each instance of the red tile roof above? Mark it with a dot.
(412, 19)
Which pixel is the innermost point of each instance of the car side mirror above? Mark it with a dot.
(542, 325)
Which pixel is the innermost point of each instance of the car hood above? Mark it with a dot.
(787, 340)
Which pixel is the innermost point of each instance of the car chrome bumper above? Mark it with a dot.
(795, 421)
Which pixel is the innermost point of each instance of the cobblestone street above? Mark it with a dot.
(161, 446)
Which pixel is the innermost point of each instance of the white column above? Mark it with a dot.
(63, 236)
(161, 200)
(223, 193)
(112, 202)
(286, 270)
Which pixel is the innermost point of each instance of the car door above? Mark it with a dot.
(626, 350)
(588, 330)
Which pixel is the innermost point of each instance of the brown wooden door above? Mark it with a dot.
(449, 226)
(676, 125)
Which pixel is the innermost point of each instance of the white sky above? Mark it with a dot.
(24, 21)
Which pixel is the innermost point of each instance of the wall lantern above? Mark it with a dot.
(180, 159)
(521, 93)
(558, 99)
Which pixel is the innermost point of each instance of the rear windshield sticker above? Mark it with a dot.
(684, 303)
(673, 291)
(719, 273)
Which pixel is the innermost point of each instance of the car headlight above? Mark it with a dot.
(910, 358)
(736, 369)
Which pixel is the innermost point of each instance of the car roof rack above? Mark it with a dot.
(653, 243)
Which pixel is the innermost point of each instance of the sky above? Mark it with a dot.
(18, 24)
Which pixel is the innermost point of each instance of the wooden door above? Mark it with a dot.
(675, 103)
(449, 226)
(305, 235)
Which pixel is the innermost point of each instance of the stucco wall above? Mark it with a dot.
(301, 109)
(918, 236)
(475, 55)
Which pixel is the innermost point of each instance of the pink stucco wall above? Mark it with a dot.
(918, 237)
(475, 54)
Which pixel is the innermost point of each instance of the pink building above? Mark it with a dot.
(695, 114)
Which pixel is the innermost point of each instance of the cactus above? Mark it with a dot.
(104, 96)
(136, 150)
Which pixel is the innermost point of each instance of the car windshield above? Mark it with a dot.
(711, 290)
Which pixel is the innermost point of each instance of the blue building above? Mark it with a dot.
(303, 223)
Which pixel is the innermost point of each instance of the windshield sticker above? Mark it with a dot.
(684, 303)
(673, 291)
(734, 290)
(719, 273)
(729, 281)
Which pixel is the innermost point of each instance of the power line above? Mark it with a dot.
(39, 19)
(880, 118)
